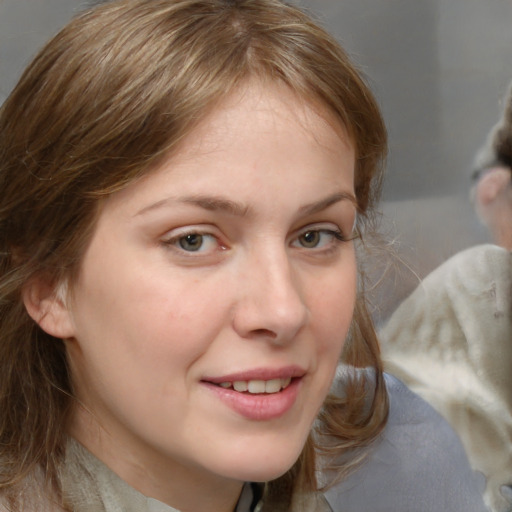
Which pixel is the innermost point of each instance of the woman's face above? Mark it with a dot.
(214, 299)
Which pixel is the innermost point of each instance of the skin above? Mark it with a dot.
(492, 196)
(151, 326)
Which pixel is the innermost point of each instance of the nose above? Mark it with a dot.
(270, 304)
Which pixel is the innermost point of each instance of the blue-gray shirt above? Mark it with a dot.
(418, 465)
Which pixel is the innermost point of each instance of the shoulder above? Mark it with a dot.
(418, 464)
(475, 267)
(477, 270)
(482, 273)
(469, 295)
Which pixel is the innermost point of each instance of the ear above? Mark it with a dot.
(491, 184)
(47, 305)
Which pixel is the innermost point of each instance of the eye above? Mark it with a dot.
(194, 242)
(310, 239)
(318, 238)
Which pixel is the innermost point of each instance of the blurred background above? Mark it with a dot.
(440, 70)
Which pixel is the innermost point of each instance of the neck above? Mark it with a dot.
(501, 225)
(154, 475)
(503, 238)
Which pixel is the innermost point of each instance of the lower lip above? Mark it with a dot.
(259, 407)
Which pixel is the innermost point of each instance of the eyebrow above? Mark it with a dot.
(211, 203)
(217, 203)
(318, 206)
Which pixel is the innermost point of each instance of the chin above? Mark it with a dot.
(266, 466)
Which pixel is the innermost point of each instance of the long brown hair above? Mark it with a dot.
(116, 90)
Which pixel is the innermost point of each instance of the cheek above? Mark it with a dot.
(333, 308)
(331, 318)
(154, 319)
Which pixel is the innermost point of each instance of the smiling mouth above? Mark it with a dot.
(257, 387)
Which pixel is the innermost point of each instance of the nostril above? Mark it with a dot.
(264, 333)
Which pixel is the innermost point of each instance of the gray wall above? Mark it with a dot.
(439, 69)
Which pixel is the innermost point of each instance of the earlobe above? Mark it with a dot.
(47, 305)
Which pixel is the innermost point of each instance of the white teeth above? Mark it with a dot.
(273, 386)
(240, 386)
(258, 386)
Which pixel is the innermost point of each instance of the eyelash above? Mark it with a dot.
(174, 242)
(336, 235)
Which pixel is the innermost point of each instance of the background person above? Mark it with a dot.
(450, 341)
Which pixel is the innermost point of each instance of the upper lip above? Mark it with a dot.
(259, 374)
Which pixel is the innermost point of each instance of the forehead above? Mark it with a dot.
(257, 138)
(266, 107)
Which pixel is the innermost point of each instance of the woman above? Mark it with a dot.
(181, 182)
